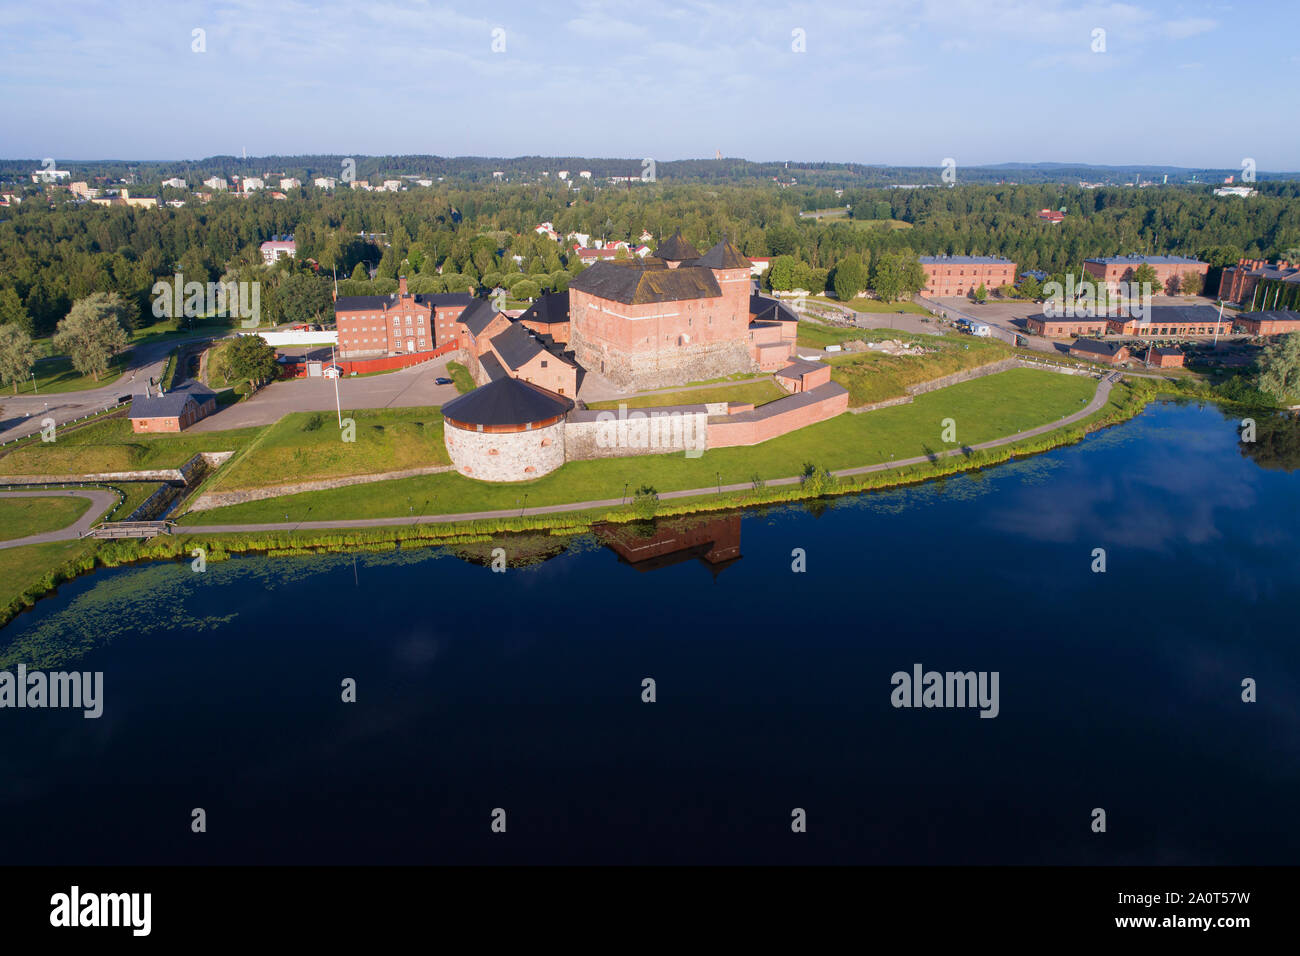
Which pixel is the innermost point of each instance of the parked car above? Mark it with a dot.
(442, 381)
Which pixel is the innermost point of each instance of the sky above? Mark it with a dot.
(905, 82)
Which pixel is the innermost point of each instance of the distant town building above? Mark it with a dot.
(277, 248)
(1240, 283)
(1164, 358)
(124, 198)
(216, 182)
(1241, 192)
(50, 175)
(1115, 269)
(325, 182)
(175, 183)
(83, 190)
(392, 185)
(758, 265)
(585, 174)
(961, 275)
(290, 182)
(251, 183)
(1051, 215)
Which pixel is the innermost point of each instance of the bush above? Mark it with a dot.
(645, 503)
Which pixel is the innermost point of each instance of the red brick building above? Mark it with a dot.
(962, 275)
(1064, 326)
(399, 323)
(1269, 323)
(1112, 353)
(1116, 269)
(1164, 358)
(1162, 321)
(172, 411)
(1240, 282)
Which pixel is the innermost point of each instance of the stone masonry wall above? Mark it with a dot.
(644, 431)
(506, 456)
(669, 366)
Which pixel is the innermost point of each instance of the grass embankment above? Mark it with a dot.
(110, 445)
(760, 393)
(875, 376)
(20, 517)
(304, 446)
(986, 408)
(29, 572)
(460, 376)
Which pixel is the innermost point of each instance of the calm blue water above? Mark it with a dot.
(522, 690)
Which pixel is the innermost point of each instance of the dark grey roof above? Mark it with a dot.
(1167, 351)
(477, 316)
(515, 346)
(1108, 349)
(636, 283)
(764, 309)
(171, 404)
(799, 368)
(507, 401)
(675, 249)
(1137, 260)
(549, 309)
(1271, 315)
(357, 303)
(494, 368)
(722, 256)
(1158, 314)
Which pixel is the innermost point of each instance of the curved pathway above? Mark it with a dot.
(100, 501)
(1099, 400)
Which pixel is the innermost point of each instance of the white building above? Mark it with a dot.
(585, 174)
(1239, 191)
(325, 182)
(216, 182)
(175, 183)
(276, 249)
(392, 185)
(50, 175)
(290, 182)
(251, 183)
(563, 174)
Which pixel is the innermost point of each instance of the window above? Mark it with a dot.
(543, 363)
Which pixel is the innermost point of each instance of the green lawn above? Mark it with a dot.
(110, 445)
(461, 377)
(170, 329)
(873, 305)
(987, 408)
(759, 393)
(304, 446)
(875, 376)
(55, 375)
(20, 517)
(20, 568)
(817, 336)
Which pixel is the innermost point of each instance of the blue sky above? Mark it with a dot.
(879, 81)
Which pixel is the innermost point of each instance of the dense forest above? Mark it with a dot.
(458, 235)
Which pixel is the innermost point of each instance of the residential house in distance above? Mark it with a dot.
(251, 184)
(83, 191)
(391, 185)
(51, 175)
(175, 183)
(1239, 283)
(548, 230)
(172, 411)
(1116, 269)
(1112, 353)
(325, 182)
(1051, 215)
(758, 265)
(216, 182)
(290, 182)
(124, 198)
(278, 247)
(588, 256)
(962, 275)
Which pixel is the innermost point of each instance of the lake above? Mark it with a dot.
(522, 691)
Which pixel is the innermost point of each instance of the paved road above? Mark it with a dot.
(22, 414)
(1099, 399)
(101, 501)
(405, 388)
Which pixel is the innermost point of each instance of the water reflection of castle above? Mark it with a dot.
(713, 541)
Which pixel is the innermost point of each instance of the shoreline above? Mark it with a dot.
(565, 520)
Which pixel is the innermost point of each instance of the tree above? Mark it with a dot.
(17, 355)
(1191, 283)
(303, 297)
(1145, 275)
(849, 278)
(12, 311)
(780, 276)
(1173, 285)
(248, 358)
(92, 333)
(981, 294)
(361, 272)
(526, 289)
(1279, 368)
